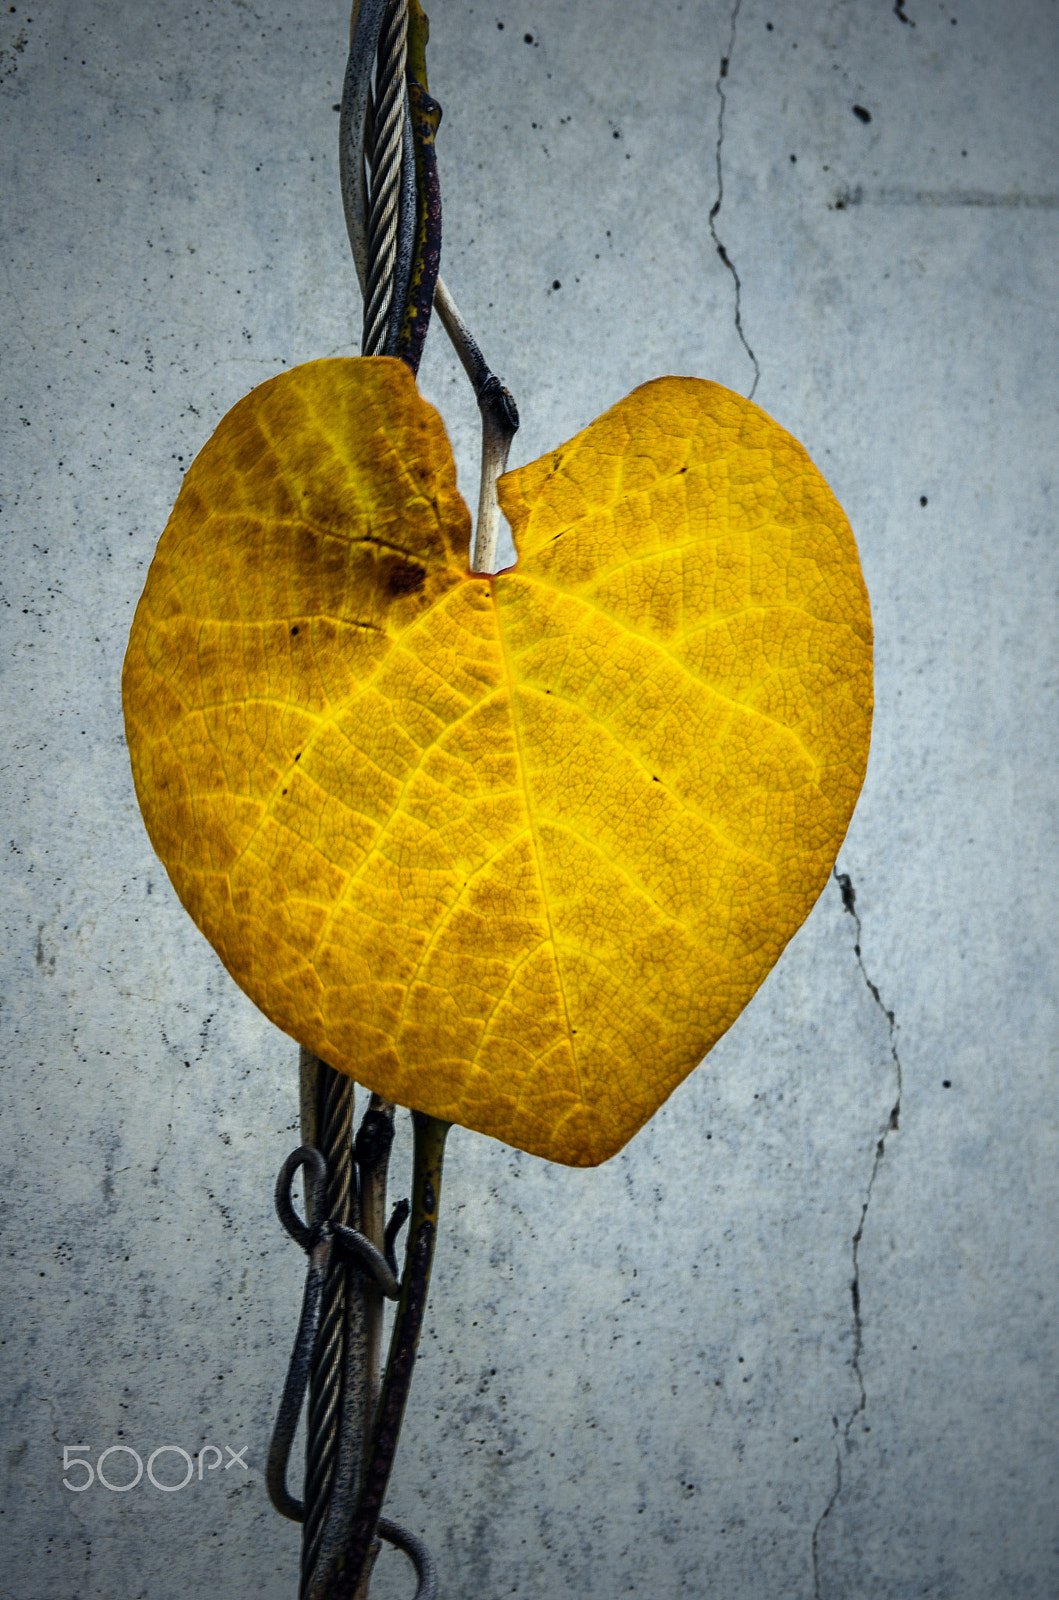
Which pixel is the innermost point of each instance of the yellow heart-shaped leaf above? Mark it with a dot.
(514, 849)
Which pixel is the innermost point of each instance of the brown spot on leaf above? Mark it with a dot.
(402, 577)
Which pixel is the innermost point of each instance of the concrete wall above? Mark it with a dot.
(785, 1344)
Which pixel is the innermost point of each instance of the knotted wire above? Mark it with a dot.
(330, 1244)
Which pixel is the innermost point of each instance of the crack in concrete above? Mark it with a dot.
(842, 1432)
(715, 208)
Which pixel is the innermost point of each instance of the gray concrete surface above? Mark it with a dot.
(785, 1344)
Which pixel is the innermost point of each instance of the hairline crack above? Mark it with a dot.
(715, 208)
(843, 1431)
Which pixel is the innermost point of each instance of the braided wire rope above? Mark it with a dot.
(335, 1138)
(380, 189)
(385, 146)
(380, 136)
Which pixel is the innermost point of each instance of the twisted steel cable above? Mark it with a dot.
(335, 1140)
(323, 1237)
(379, 186)
(376, 129)
(376, 126)
(388, 115)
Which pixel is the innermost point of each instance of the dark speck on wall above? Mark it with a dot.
(862, 112)
(556, 284)
(922, 499)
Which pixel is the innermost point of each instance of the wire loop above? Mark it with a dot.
(306, 1155)
(417, 1553)
(319, 1238)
